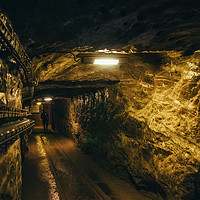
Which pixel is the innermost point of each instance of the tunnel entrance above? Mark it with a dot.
(36, 111)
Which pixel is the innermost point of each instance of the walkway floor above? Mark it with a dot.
(55, 169)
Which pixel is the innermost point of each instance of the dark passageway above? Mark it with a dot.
(120, 84)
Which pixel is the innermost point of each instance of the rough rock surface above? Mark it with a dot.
(11, 154)
(148, 25)
(10, 86)
(10, 172)
(147, 125)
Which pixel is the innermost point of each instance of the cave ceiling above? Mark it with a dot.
(49, 29)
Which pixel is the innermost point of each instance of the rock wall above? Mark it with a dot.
(10, 172)
(59, 116)
(11, 158)
(10, 85)
(147, 125)
(11, 154)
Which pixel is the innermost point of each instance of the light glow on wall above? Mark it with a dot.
(39, 103)
(106, 61)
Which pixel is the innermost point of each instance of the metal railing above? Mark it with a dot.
(12, 131)
(8, 114)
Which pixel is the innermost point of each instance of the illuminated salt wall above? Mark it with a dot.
(147, 126)
(10, 85)
(10, 171)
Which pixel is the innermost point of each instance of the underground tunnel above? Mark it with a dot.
(119, 82)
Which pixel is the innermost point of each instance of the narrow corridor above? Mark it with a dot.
(55, 169)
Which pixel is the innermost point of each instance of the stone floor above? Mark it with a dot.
(55, 169)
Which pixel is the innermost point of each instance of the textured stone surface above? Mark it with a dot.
(146, 126)
(10, 86)
(59, 114)
(11, 154)
(10, 172)
(11, 157)
(152, 25)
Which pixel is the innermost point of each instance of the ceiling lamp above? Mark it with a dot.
(47, 99)
(39, 103)
(104, 57)
(102, 61)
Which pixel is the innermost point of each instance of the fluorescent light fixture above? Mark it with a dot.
(39, 103)
(106, 61)
(48, 99)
